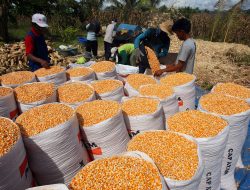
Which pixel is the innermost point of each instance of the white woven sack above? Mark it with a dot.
(57, 154)
(57, 79)
(23, 107)
(238, 126)
(125, 70)
(16, 85)
(107, 75)
(186, 96)
(107, 138)
(87, 78)
(130, 91)
(8, 107)
(140, 123)
(192, 184)
(50, 187)
(14, 170)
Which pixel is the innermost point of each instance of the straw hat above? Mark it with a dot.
(167, 27)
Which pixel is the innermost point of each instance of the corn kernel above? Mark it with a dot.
(177, 79)
(18, 77)
(161, 91)
(51, 71)
(137, 80)
(103, 66)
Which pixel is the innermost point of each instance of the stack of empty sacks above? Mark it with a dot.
(104, 70)
(236, 112)
(177, 156)
(142, 114)
(81, 74)
(52, 140)
(211, 132)
(184, 88)
(103, 128)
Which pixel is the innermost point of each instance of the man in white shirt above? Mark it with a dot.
(108, 38)
(186, 56)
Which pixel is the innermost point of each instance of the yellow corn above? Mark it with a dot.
(9, 134)
(18, 77)
(175, 156)
(103, 66)
(94, 112)
(4, 91)
(117, 173)
(34, 92)
(79, 71)
(103, 86)
(196, 124)
(137, 80)
(74, 92)
(232, 90)
(223, 104)
(41, 118)
(140, 106)
(51, 71)
(177, 79)
(161, 91)
(153, 60)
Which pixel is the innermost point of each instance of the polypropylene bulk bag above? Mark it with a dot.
(54, 147)
(14, 169)
(81, 74)
(34, 94)
(50, 187)
(103, 128)
(104, 70)
(238, 126)
(8, 107)
(140, 122)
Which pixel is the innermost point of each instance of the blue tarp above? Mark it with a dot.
(129, 27)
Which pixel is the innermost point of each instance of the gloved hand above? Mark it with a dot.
(138, 55)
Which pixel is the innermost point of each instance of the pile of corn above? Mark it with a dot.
(9, 133)
(232, 90)
(140, 106)
(103, 66)
(74, 92)
(79, 71)
(41, 118)
(175, 156)
(51, 71)
(34, 92)
(137, 80)
(177, 79)
(223, 104)
(18, 77)
(103, 86)
(161, 91)
(94, 112)
(117, 173)
(153, 60)
(4, 91)
(196, 124)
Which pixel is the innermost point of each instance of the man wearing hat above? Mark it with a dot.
(155, 38)
(36, 47)
(109, 37)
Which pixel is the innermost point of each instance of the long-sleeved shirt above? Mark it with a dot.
(110, 33)
(155, 39)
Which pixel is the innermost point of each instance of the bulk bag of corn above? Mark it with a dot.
(166, 95)
(15, 79)
(103, 128)
(81, 74)
(54, 74)
(104, 70)
(50, 187)
(52, 139)
(109, 89)
(211, 132)
(177, 157)
(75, 93)
(8, 107)
(142, 114)
(34, 94)
(135, 81)
(14, 170)
(184, 88)
(131, 171)
(236, 112)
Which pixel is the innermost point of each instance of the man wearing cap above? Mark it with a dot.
(109, 37)
(36, 47)
(155, 38)
(125, 54)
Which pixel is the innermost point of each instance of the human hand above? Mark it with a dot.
(45, 64)
(158, 73)
(138, 55)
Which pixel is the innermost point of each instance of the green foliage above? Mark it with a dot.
(68, 34)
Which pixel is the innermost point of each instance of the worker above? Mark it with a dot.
(93, 28)
(36, 47)
(155, 38)
(109, 37)
(186, 55)
(125, 54)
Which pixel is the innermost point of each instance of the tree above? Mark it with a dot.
(4, 8)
